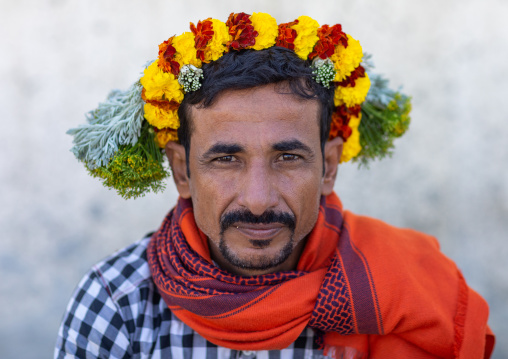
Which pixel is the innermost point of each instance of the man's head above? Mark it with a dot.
(254, 142)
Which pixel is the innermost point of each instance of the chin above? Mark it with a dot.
(259, 258)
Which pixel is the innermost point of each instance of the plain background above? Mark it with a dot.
(58, 59)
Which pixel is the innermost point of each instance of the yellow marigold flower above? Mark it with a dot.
(217, 45)
(346, 60)
(161, 85)
(354, 121)
(267, 29)
(351, 96)
(161, 118)
(185, 50)
(164, 136)
(352, 147)
(306, 36)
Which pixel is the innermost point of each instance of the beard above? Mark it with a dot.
(262, 263)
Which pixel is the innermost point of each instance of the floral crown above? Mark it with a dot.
(123, 141)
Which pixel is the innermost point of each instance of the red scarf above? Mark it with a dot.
(374, 289)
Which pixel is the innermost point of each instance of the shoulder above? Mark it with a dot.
(114, 306)
(398, 259)
(399, 254)
(125, 271)
(367, 231)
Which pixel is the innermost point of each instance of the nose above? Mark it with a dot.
(258, 188)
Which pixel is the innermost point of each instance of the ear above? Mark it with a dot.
(333, 151)
(176, 156)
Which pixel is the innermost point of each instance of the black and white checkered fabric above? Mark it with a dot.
(116, 312)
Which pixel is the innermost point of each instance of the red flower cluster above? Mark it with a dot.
(166, 53)
(329, 37)
(351, 79)
(287, 36)
(241, 30)
(202, 34)
(340, 121)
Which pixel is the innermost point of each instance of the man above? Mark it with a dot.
(258, 259)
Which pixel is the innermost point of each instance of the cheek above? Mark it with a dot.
(303, 195)
(309, 213)
(209, 201)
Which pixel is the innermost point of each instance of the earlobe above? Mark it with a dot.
(177, 161)
(333, 152)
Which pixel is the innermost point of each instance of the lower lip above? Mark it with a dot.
(259, 234)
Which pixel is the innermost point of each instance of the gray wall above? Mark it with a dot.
(448, 177)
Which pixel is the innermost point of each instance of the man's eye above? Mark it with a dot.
(228, 158)
(289, 157)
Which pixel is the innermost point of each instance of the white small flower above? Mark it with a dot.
(189, 78)
(324, 71)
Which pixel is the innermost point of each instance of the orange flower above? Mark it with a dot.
(359, 72)
(166, 53)
(241, 30)
(329, 37)
(287, 35)
(202, 34)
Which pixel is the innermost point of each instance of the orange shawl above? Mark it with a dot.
(360, 284)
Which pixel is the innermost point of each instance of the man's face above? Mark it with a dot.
(256, 177)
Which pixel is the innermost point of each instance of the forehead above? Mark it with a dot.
(261, 114)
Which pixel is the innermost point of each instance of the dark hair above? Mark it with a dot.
(245, 69)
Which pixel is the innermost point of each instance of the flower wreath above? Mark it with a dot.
(123, 141)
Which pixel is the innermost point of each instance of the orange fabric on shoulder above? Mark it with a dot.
(426, 307)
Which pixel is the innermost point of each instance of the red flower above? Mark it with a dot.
(287, 36)
(340, 121)
(329, 37)
(166, 53)
(355, 110)
(202, 34)
(359, 72)
(242, 31)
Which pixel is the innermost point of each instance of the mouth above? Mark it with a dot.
(259, 233)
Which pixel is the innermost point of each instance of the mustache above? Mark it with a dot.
(246, 216)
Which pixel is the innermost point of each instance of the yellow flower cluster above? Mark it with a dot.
(185, 50)
(160, 85)
(217, 45)
(267, 29)
(352, 146)
(161, 118)
(351, 96)
(346, 60)
(164, 136)
(306, 37)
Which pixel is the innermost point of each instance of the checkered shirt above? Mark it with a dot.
(117, 312)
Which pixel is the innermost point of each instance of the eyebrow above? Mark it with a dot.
(223, 148)
(292, 145)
